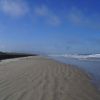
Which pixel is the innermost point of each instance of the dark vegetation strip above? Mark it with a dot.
(4, 56)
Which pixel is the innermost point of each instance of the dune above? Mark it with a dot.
(39, 78)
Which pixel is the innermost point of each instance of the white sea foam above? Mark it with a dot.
(79, 56)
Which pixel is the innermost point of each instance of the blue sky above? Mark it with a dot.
(50, 26)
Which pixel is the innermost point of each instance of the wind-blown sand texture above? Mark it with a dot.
(38, 78)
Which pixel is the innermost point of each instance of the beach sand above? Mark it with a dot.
(39, 78)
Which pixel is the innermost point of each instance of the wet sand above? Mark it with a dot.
(39, 78)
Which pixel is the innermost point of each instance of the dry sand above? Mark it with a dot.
(38, 78)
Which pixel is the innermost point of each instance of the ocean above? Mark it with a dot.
(92, 67)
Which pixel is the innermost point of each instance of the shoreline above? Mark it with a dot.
(84, 67)
(89, 75)
(41, 78)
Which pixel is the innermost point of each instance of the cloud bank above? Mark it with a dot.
(14, 7)
(18, 8)
(81, 18)
(51, 18)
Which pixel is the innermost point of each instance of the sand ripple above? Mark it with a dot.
(37, 78)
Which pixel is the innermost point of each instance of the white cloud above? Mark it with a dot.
(41, 10)
(76, 16)
(14, 7)
(79, 17)
(50, 17)
(54, 20)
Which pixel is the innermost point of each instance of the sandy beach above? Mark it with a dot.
(39, 78)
